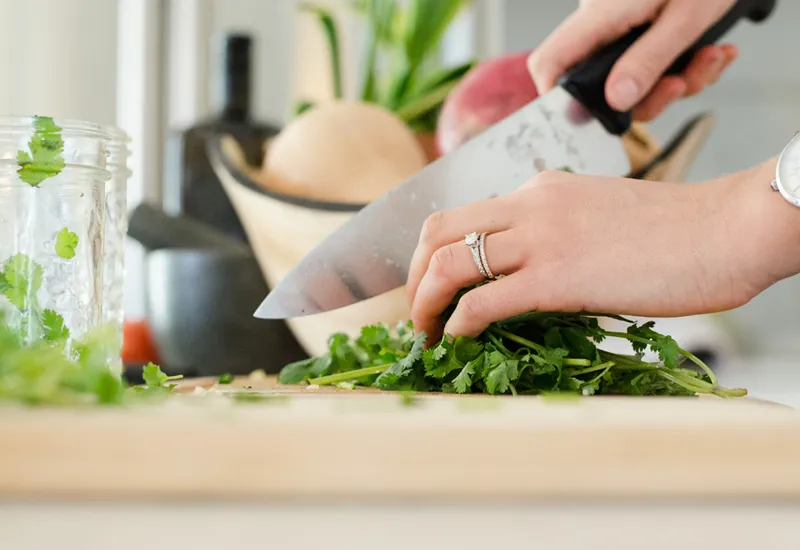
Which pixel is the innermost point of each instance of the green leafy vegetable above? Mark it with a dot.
(66, 243)
(45, 156)
(533, 354)
(156, 380)
(54, 327)
(226, 378)
(401, 73)
(42, 373)
(20, 281)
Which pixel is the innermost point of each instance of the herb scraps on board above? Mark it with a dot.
(538, 353)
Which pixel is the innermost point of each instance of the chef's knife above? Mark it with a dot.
(571, 126)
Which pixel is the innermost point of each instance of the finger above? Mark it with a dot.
(731, 55)
(638, 70)
(583, 32)
(453, 268)
(449, 226)
(486, 304)
(666, 92)
(704, 68)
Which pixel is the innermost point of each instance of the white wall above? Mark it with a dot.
(59, 57)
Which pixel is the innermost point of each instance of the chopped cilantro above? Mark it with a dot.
(66, 242)
(45, 156)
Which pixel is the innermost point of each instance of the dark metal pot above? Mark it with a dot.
(200, 307)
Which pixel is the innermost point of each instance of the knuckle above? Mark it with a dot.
(550, 177)
(472, 306)
(432, 227)
(442, 263)
(545, 178)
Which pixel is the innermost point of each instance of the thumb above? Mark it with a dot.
(584, 31)
(642, 66)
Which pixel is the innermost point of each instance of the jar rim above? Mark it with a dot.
(69, 127)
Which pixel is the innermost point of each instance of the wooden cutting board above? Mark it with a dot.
(325, 443)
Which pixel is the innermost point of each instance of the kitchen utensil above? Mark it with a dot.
(154, 230)
(571, 126)
(199, 306)
(362, 444)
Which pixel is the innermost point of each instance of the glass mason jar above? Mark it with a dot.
(52, 221)
(116, 230)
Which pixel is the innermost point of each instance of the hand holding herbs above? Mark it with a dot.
(572, 242)
(532, 354)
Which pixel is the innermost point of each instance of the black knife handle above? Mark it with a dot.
(586, 81)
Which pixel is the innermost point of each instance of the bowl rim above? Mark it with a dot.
(215, 152)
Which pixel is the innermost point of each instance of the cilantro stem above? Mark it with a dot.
(701, 364)
(663, 373)
(607, 366)
(518, 339)
(648, 342)
(348, 375)
(601, 366)
(576, 362)
(534, 346)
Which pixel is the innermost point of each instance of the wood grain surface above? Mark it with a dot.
(327, 443)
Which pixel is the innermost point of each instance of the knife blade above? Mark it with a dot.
(570, 126)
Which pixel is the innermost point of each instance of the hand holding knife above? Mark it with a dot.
(570, 126)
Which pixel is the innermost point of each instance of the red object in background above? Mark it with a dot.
(486, 95)
(138, 346)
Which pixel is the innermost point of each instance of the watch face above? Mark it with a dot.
(789, 169)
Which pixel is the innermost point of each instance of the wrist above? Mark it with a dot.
(767, 227)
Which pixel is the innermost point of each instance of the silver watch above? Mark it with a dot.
(787, 173)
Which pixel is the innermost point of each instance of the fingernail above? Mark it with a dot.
(625, 94)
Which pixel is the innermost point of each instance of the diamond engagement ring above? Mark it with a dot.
(475, 243)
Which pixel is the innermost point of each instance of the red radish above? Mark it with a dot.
(487, 94)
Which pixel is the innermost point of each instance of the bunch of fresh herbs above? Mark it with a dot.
(533, 354)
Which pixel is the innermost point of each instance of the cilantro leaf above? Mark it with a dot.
(155, 378)
(499, 372)
(300, 371)
(66, 242)
(373, 338)
(53, 325)
(463, 382)
(403, 368)
(45, 158)
(226, 378)
(23, 279)
(441, 360)
(666, 347)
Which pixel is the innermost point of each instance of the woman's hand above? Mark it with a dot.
(609, 245)
(634, 81)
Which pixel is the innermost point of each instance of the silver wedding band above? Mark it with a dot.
(476, 244)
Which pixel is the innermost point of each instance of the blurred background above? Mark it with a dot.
(168, 71)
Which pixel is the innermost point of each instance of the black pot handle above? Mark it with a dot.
(586, 81)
